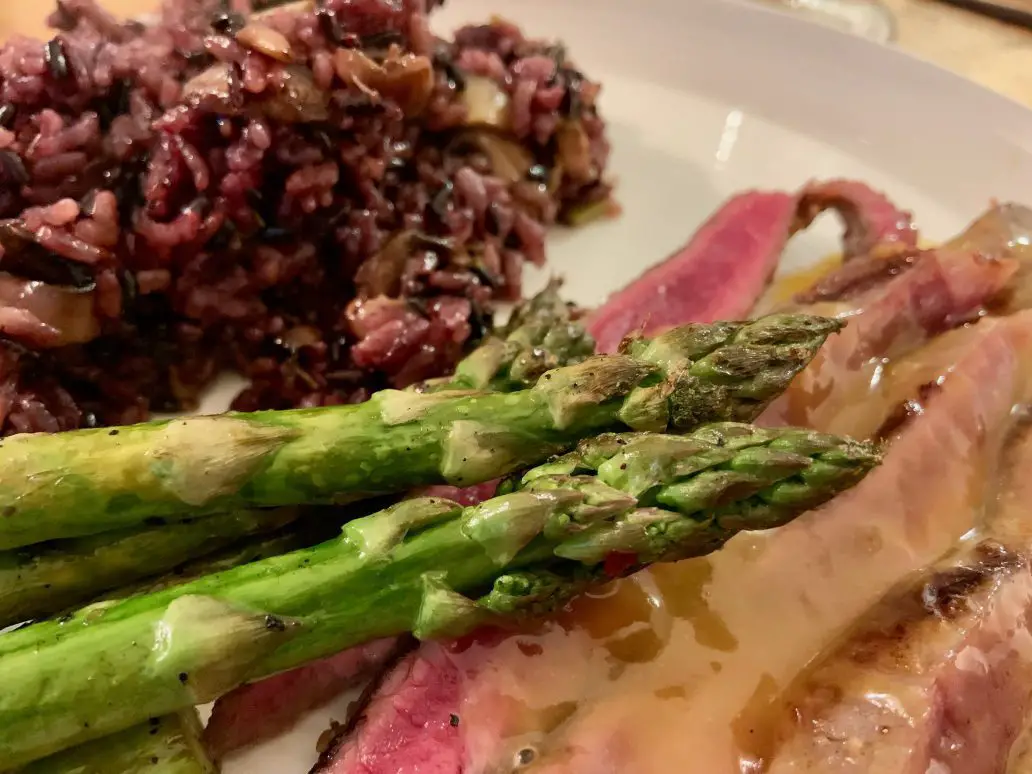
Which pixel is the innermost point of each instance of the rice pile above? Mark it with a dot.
(321, 195)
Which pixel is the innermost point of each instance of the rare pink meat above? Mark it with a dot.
(718, 275)
(259, 711)
(725, 267)
(407, 714)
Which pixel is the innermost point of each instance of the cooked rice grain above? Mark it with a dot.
(321, 195)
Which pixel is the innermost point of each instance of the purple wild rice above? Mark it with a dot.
(320, 194)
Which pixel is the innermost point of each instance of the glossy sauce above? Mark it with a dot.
(679, 669)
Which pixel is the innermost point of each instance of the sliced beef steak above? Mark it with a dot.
(935, 291)
(870, 219)
(783, 599)
(718, 275)
(510, 699)
(260, 711)
(723, 270)
(1004, 231)
(938, 677)
(409, 726)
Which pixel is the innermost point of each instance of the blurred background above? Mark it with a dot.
(993, 53)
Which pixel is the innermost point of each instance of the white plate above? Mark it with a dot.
(706, 97)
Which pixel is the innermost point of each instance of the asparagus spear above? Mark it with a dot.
(426, 565)
(168, 745)
(541, 334)
(255, 550)
(51, 577)
(90, 481)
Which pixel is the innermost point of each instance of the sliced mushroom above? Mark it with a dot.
(299, 100)
(406, 79)
(356, 69)
(42, 315)
(381, 274)
(212, 89)
(296, 8)
(509, 160)
(265, 40)
(485, 102)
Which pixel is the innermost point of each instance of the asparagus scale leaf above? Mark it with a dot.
(427, 566)
(90, 481)
(543, 333)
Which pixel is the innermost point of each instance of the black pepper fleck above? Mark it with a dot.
(525, 757)
(113, 432)
(275, 624)
(454, 720)
(183, 677)
(227, 22)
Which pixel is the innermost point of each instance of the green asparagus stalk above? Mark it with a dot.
(283, 542)
(89, 481)
(45, 579)
(168, 745)
(309, 532)
(542, 334)
(425, 565)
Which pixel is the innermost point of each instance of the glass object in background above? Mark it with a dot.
(866, 18)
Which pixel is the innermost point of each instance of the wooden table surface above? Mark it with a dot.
(991, 53)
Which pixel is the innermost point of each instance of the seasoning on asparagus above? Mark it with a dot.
(425, 565)
(89, 481)
(542, 334)
(167, 745)
(41, 580)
